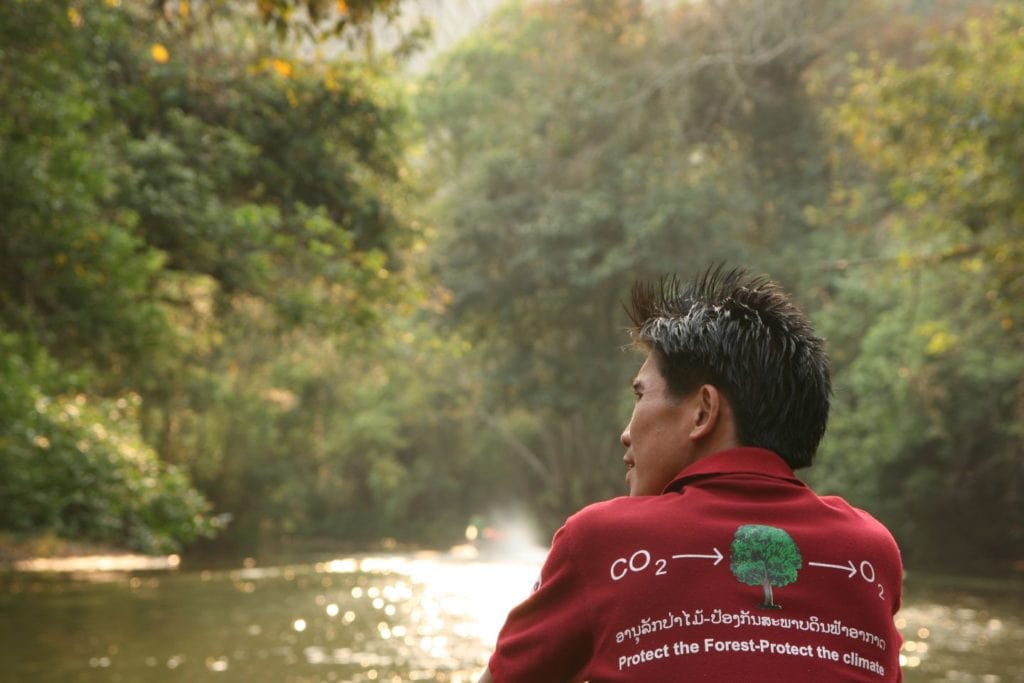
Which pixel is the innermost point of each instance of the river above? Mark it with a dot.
(389, 617)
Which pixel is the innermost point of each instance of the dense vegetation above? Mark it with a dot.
(248, 285)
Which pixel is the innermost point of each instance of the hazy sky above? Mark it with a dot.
(452, 20)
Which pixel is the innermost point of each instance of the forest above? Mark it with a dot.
(262, 282)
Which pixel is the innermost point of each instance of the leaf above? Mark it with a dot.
(282, 67)
(159, 53)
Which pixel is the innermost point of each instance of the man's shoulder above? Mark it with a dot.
(620, 512)
(621, 505)
(842, 506)
(866, 524)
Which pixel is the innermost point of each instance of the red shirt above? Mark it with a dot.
(737, 571)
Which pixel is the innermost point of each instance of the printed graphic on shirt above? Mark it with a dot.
(764, 556)
(779, 556)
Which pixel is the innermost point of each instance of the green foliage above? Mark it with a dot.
(77, 466)
(930, 400)
(578, 146)
(215, 259)
(177, 198)
(76, 305)
(73, 272)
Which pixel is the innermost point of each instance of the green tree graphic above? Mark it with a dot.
(764, 556)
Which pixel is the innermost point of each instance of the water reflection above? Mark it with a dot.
(435, 616)
(430, 617)
(955, 632)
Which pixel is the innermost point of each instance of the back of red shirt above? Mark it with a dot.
(738, 571)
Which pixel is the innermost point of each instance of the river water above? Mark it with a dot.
(395, 617)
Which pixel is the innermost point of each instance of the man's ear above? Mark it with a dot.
(708, 408)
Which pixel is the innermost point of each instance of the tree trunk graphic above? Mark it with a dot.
(769, 598)
(764, 556)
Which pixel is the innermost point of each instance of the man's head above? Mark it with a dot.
(731, 339)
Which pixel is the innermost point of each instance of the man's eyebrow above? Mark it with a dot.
(637, 384)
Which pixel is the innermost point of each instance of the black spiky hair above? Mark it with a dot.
(745, 336)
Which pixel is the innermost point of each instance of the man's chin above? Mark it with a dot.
(632, 487)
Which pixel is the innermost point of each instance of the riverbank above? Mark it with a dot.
(49, 553)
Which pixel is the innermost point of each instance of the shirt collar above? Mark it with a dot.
(744, 459)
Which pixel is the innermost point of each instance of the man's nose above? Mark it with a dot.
(624, 437)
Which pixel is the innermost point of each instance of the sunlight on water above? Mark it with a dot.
(437, 611)
(483, 592)
(435, 614)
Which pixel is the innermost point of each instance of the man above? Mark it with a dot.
(720, 565)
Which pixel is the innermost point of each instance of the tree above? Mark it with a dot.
(764, 556)
(273, 185)
(77, 306)
(74, 275)
(930, 391)
(577, 146)
(185, 205)
(75, 465)
(309, 19)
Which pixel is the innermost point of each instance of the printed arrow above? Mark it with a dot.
(717, 557)
(848, 567)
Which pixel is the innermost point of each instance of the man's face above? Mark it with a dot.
(657, 437)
